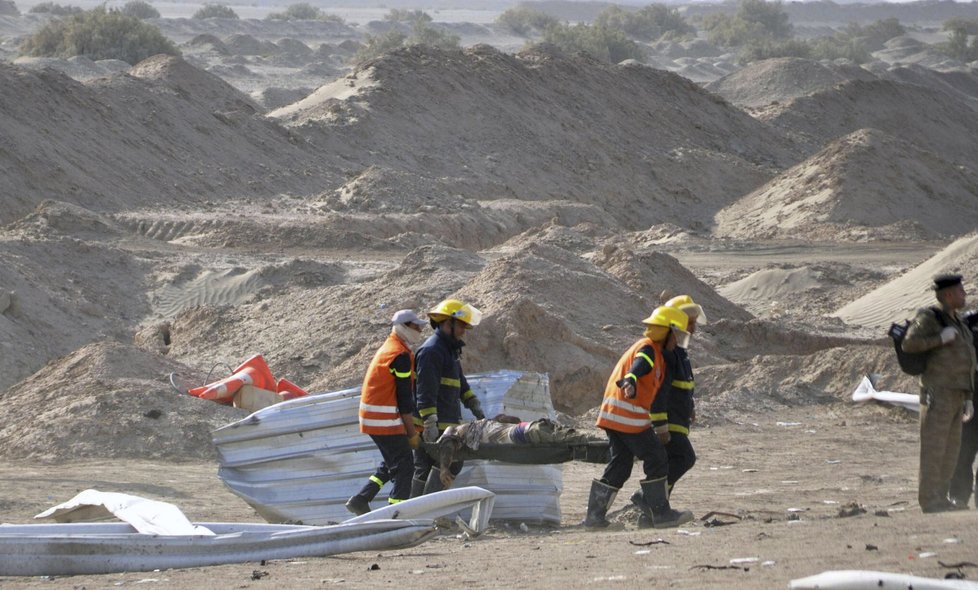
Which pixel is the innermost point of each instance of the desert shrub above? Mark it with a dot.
(215, 11)
(754, 20)
(304, 11)
(832, 48)
(407, 16)
(956, 46)
(648, 23)
(875, 35)
(524, 21)
(139, 9)
(55, 9)
(392, 40)
(8, 8)
(98, 34)
(970, 26)
(602, 43)
(766, 48)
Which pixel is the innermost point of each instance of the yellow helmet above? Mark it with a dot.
(453, 308)
(685, 304)
(667, 317)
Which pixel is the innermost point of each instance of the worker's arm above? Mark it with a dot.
(471, 401)
(925, 332)
(401, 368)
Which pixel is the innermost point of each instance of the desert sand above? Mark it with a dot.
(177, 216)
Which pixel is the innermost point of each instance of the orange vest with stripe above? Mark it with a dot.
(379, 413)
(632, 415)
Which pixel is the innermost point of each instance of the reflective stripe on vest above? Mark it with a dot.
(678, 428)
(379, 413)
(682, 384)
(630, 417)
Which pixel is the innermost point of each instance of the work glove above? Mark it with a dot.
(948, 334)
(475, 406)
(969, 411)
(627, 387)
(663, 433)
(414, 441)
(431, 428)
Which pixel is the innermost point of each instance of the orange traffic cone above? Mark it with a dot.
(253, 371)
(288, 390)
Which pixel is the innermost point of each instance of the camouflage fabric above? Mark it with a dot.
(950, 366)
(940, 440)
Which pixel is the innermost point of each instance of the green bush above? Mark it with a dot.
(766, 48)
(648, 23)
(8, 8)
(970, 26)
(98, 34)
(407, 16)
(215, 11)
(602, 43)
(304, 11)
(524, 21)
(957, 46)
(392, 40)
(833, 48)
(756, 20)
(55, 9)
(139, 9)
(875, 35)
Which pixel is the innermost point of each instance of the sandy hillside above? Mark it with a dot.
(865, 185)
(479, 111)
(160, 222)
(780, 79)
(901, 297)
(930, 119)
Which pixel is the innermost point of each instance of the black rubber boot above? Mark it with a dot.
(598, 502)
(360, 503)
(434, 482)
(655, 495)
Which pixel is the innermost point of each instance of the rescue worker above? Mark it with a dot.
(387, 411)
(673, 414)
(964, 478)
(624, 415)
(442, 388)
(947, 388)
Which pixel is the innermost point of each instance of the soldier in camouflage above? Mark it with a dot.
(946, 389)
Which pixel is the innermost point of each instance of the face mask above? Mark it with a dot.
(410, 336)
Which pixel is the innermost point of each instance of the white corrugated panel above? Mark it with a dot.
(300, 460)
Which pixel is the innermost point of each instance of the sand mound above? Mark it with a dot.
(899, 298)
(840, 193)
(61, 297)
(780, 79)
(177, 136)
(929, 119)
(766, 383)
(193, 84)
(108, 400)
(774, 292)
(591, 147)
(963, 85)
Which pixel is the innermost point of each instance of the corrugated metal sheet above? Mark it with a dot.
(300, 460)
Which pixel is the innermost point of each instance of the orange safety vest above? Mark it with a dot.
(632, 415)
(379, 413)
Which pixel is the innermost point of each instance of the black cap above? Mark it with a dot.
(945, 281)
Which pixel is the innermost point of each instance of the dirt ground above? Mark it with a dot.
(779, 484)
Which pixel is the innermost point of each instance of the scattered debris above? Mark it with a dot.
(647, 543)
(851, 509)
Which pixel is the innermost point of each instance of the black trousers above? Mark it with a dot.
(624, 448)
(396, 466)
(681, 456)
(964, 477)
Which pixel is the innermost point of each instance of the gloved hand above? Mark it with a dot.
(431, 428)
(414, 441)
(948, 334)
(663, 433)
(627, 387)
(475, 406)
(969, 411)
